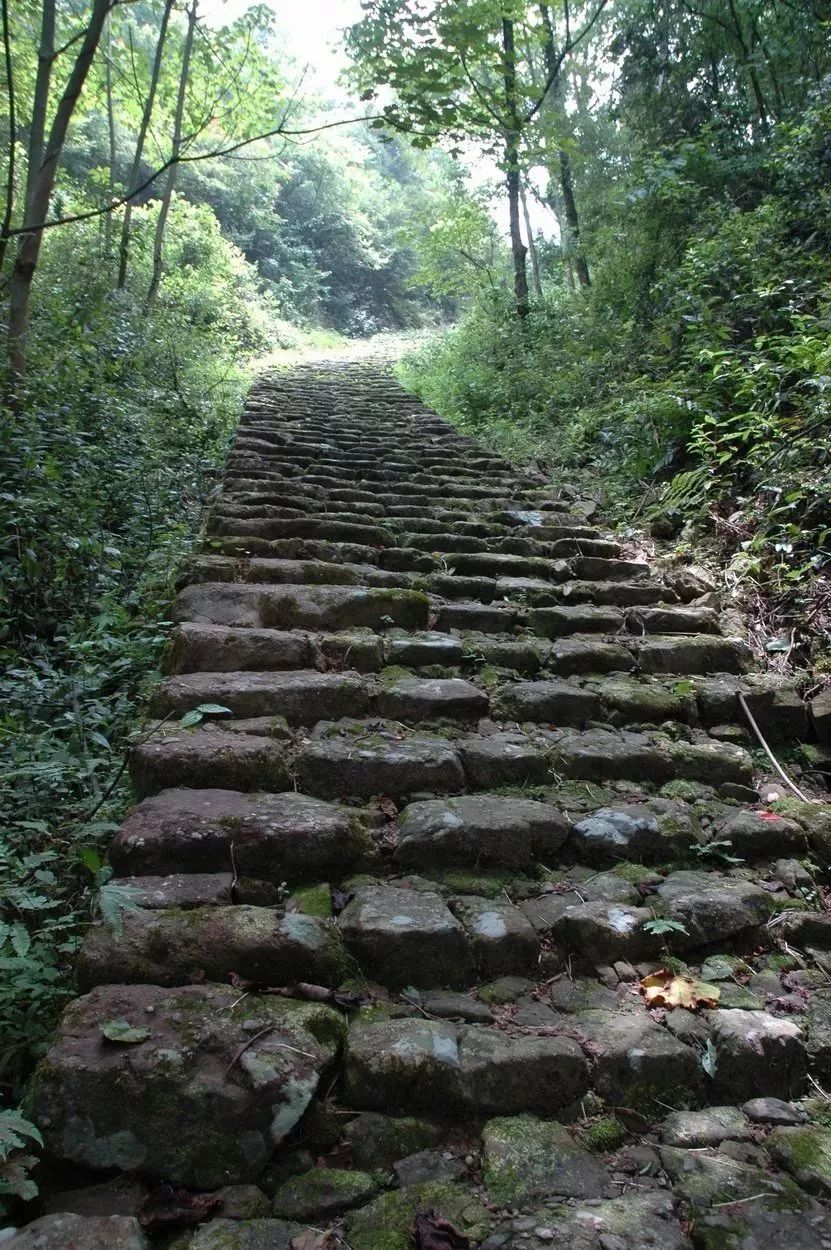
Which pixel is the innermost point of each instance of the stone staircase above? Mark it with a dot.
(386, 916)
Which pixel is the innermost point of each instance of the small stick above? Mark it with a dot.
(774, 761)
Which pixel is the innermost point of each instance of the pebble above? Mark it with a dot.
(544, 1234)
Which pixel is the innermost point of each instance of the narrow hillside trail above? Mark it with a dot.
(380, 967)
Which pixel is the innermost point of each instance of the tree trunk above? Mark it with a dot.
(108, 88)
(532, 247)
(43, 181)
(124, 243)
(5, 226)
(755, 84)
(571, 238)
(518, 249)
(170, 181)
(581, 267)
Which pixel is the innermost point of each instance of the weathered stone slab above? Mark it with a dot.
(201, 1101)
(379, 763)
(275, 837)
(526, 1159)
(426, 1064)
(173, 947)
(208, 757)
(303, 698)
(405, 937)
(501, 939)
(80, 1232)
(479, 829)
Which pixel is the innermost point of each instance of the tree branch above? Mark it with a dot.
(184, 159)
(567, 48)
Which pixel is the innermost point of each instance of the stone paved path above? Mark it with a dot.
(473, 754)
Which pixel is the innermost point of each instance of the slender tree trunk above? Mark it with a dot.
(170, 181)
(755, 84)
(5, 226)
(512, 179)
(571, 236)
(28, 253)
(108, 87)
(536, 278)
(581, 267)
(40, 103)
(124, 243)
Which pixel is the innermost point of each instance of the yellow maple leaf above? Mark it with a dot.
(669, 989)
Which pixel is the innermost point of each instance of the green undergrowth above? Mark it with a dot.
(689, 386)
(106, 472)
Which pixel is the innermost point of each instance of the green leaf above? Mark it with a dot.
(123, 1033)
(660, 925)
(709, 1059)
(213, 709)
(190, 719)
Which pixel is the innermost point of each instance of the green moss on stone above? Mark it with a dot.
(607, 1133)
(386, 1222)
(314, 900)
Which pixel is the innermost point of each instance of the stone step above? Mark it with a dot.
(418, 1065)
(234, 1078)
(171, 946)
(300, 607)
(405, 937)
(260, 837)
(266, 572)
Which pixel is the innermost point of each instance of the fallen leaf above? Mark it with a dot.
(768, 816)
(387, 807)
(166, 1207)
(123, 1032)
(433, 1232)
(667, 989)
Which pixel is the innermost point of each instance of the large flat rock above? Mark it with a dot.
(202, 1100)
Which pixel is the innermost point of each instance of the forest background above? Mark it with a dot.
(611, 219)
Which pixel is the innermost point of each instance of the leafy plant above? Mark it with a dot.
(17, 1134)
(661, 925)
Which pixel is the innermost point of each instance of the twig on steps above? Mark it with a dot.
(774, 761)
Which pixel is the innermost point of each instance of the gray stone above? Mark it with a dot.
(80, 1232)
(755, 835)
(757, 1052)
(751, 1226)
(636, 1063)
(709, 1179)
(169, 947)
(773, 1111)
(712, 907)
(244, 1202)
(276, 837)
(487, 829)
(376, 1141)
(437, 1065)
(501, 939)
(323, 1193)
(805, 1152)
(525, 1159)
(233, 1082)
(413, 699)
(818, 1034)
(405, 937)
(301, 697)
(596, 932)
(651, 832)
(122, 1196)
(635, 1221)
(378, 762)
(426, 1166)
(705, 1128)
(821, 714)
